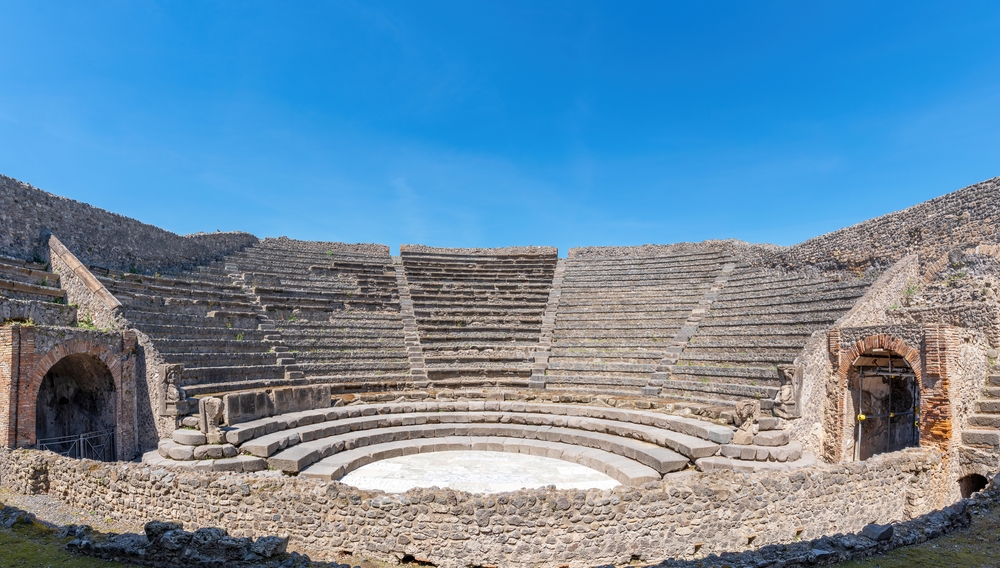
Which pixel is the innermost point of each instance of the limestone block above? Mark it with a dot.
(208, 451)
(229, 464)
(743, 438)
(182, 453)
(771, 438)
(189, 437)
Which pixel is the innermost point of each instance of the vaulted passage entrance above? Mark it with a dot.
(885, 403)
(76, 409)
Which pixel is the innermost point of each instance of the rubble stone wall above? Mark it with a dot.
(723, 511)
(98, 237)
(966, 217)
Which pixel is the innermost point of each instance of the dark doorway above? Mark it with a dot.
(76, 409)
(970, 484)
(885, 400)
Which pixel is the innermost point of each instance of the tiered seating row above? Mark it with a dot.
(21, 280)
(293, 442)
(617, 317)
(761, 319)
(335, 307)
(479, 315)
(204, 322)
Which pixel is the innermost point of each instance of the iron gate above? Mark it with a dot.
(99, 445)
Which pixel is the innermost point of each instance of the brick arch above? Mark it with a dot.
(835, 430)
(28, 390)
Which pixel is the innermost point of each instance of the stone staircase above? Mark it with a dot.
(617, 317)
(335, 308)
(760, 320)
(984, 426)
(478, 312)
(29, 292)
(202, 321)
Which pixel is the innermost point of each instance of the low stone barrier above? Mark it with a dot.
(680, 517)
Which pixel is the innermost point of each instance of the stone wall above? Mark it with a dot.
(99, 237)
(965, 217)
(724, 511)
(95, 304)
(656, 250)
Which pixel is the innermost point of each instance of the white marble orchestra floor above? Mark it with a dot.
(476, 472)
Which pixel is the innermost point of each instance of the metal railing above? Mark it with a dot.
(99, 445)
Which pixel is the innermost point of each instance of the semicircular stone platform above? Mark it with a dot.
(631, 446)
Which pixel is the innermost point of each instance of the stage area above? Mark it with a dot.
(475, 472)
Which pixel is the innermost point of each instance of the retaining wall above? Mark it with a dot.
(98, 237)
(707, 512)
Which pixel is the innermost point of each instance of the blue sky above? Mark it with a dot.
(502, 123)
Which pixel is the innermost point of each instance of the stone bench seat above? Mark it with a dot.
(743, 372)
(721, 463)
(222, 359)
(656, 327)
(360, 365)
(296, 458)
(201, 345)
(644, 343)
(813, 320)
(664, 332)
(194, 331)
(15, 272)
(717, 433)
(473, 334)
(596, 380)
(220, 284)
(598, 352)
(181, 305)
(356, 318)
(756, 357)
(296, 334)
(478, 370)
(270, 444)
(333, 343)
(303, 356)
(441, 358)
(783, 301)
(228, 320)
(25, 291)
(625, 471)
(782, 309)
(205, 376)
(603, 307)
(168, 291)
(757, 344)
(609, 367)
(719, 390)
(733, 291)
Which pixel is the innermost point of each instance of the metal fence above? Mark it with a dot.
(98, 445)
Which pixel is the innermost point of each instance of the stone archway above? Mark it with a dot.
(883, 404)
(840, 428)
(76, 408)
(73, 360)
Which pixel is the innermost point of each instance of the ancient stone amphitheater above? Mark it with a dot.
(736, 395)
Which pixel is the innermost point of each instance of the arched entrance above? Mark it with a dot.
(76, 408)
(884, 402)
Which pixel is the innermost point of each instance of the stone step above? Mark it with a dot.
(14, 271)
(717, 463)
(295, 458)
(192, 360)
(23, 291)
(985, 421)
(977, 437)
(622, 469)
(214, 345)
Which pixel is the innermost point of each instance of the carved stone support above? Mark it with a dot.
(787, 403)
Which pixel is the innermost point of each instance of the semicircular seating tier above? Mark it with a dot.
(759, 320)
(30, 292)
(618, 316)
(335, 308)
(478, 312)
(632, 446)
(204, 321)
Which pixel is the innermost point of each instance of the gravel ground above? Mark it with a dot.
(56, 512)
